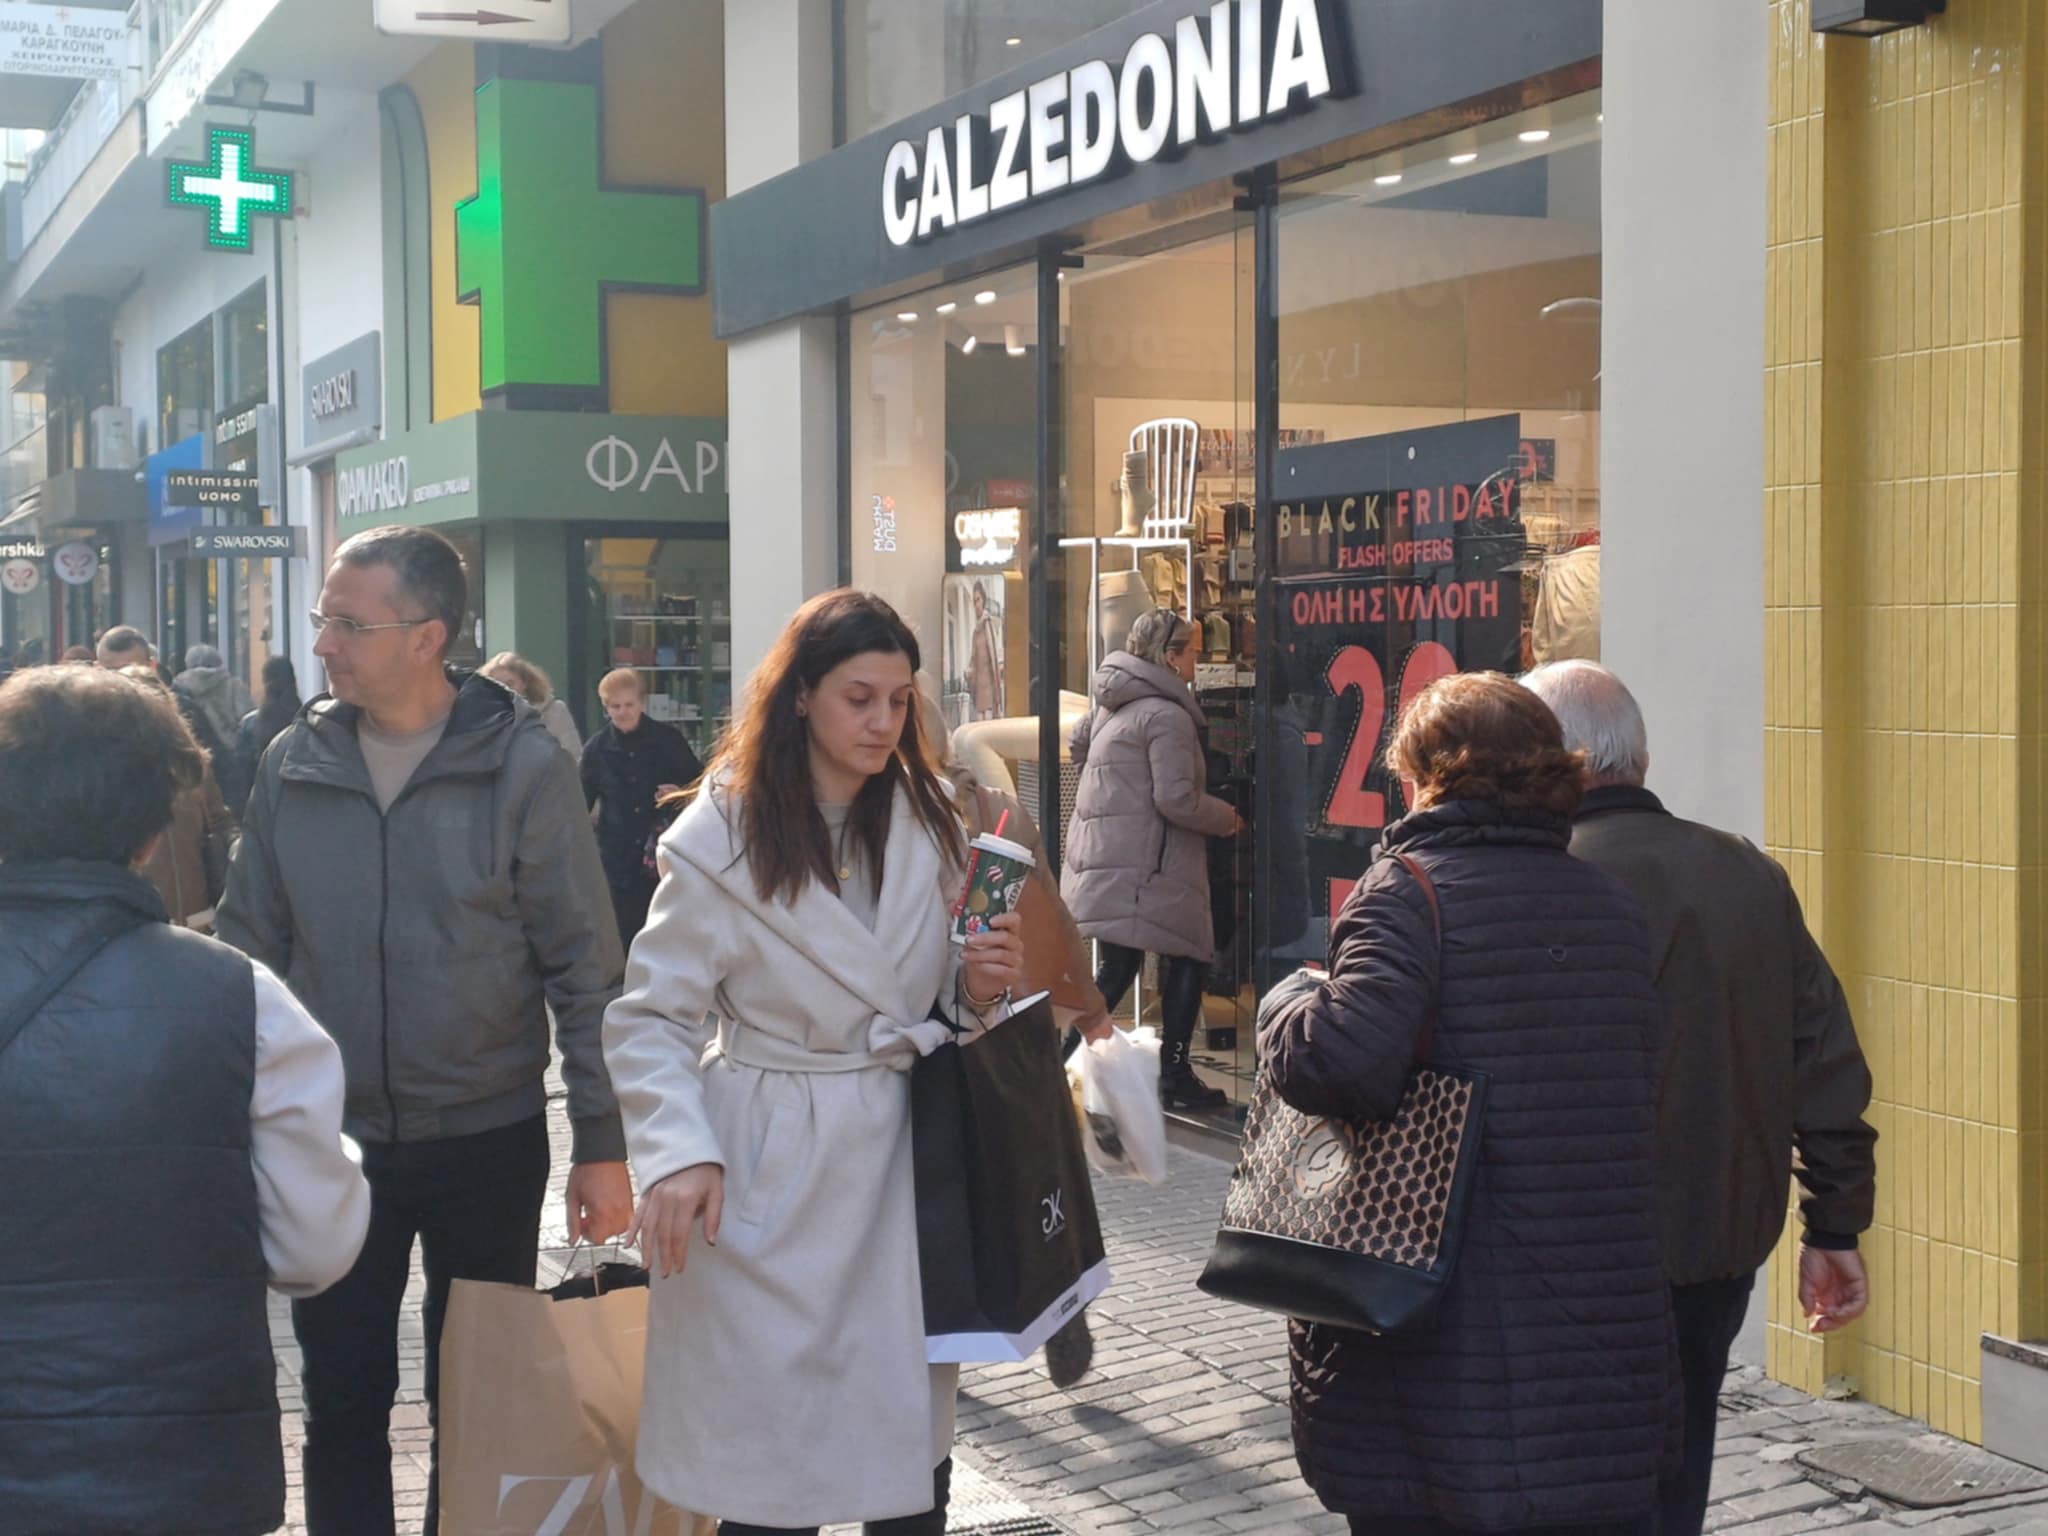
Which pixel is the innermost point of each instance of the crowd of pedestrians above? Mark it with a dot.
(422, 883)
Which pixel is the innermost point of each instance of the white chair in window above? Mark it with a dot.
(1169, 445)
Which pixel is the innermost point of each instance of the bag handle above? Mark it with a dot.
(1420, 876)
(68, 965)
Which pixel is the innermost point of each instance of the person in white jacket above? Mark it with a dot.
(805, 902)
(170, 1144)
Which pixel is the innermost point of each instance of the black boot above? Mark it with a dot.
(1180, 987)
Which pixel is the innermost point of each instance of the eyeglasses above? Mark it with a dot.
(348, 629)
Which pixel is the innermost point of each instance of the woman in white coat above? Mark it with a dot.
(774, 1005)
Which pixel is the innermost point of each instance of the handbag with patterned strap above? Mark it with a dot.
(1356, 1224)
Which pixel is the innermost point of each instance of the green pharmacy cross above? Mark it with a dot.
(546, 238)
(230, 188)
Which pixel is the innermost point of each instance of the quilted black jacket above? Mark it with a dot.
(1546, 1393)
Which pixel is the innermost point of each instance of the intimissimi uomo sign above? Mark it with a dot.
(1231, 66)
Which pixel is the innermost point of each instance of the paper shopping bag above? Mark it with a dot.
(1009, 1244)
(540, 1413)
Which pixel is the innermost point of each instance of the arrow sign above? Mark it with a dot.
(518, 21)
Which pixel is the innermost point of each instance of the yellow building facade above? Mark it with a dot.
(1906, 570)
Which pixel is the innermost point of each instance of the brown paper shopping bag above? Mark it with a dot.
(540, 1412)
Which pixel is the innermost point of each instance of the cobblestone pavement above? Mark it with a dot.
(1182, 1426)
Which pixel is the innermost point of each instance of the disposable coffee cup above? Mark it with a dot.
(996, 871)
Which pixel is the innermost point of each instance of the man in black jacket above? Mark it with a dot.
(1761, 1059)
(627, 766)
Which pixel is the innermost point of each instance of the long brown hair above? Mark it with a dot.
(765, 756)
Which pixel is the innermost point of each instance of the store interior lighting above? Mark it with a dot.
(1012, 344)
(1536, 134)
(967, 347)
(907, 316)
(946, 308)
(986, 296)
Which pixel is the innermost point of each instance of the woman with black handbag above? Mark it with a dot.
(761, 1052)
(1537, 1394)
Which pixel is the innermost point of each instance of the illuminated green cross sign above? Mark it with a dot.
(230, 188)
(545, 238)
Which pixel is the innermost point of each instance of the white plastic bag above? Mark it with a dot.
(1122, 1125)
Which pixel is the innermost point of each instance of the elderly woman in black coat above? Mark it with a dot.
(1542, 1399)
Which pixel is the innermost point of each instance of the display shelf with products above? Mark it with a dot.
(674, 640)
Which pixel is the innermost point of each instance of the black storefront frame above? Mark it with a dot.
(1461, 64)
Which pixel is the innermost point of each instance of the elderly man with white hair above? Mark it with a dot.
(1761, 1059)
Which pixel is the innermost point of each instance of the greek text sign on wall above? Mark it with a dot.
(1230, 66)
(1399, 563)
(62, 43)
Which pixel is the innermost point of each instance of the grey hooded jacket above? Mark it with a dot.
(431, 940)
(219, 695)
(1136, 871)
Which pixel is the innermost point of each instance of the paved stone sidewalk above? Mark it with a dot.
(1182, 1426)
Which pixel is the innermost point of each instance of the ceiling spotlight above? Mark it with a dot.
(1466, 158)
(1533, 135)
(986, 296)
(1391, 179)
(967, 347)
(1013, 42)
(907, 316)
(946, 308)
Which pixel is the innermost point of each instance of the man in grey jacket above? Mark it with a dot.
(1761, 1060)
(417, 864)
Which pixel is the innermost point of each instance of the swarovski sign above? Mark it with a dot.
(1235, 65)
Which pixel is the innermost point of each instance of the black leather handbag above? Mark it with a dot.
(1356, 1224)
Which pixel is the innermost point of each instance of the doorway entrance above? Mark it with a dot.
(1159, 462)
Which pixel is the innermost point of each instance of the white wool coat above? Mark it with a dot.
(786, 1380)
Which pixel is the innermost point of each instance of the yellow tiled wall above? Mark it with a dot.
(1906, 340)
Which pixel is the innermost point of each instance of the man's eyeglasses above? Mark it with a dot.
(348, 629)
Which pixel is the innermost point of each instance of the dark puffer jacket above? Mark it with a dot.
(1545, 1394)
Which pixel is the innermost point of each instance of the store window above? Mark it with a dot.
(184, 381)
(245, 346)
(1159, 462)
(942, 458)
(901, 56)
(1437, 493)
(663, 605)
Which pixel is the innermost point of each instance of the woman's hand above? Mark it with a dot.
(994, 961)
(661, 1227)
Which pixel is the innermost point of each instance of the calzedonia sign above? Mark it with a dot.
(1232, 66)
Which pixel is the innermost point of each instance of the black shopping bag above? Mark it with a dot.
(1008, 1239)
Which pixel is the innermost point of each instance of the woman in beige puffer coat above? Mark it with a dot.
(1136, 873)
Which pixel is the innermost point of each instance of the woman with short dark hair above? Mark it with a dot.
(1543, 1397)
(159, 1087)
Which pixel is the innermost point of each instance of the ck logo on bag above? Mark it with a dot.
(1322, 1158)
(1055, 1220)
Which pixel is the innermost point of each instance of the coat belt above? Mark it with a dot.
(764, 1052)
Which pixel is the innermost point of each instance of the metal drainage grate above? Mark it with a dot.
(1030, 1525)
(1924, 1473)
